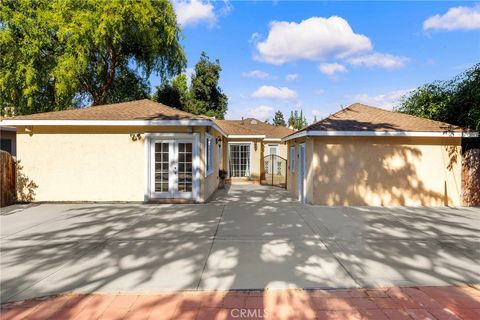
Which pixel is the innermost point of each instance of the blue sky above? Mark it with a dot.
(316, 56)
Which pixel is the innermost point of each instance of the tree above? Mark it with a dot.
(291, 120)
(55, 53)
(455, 101)
(297, 121)
(206, 96)
(173, 93)
(314, 119)
(278, 119)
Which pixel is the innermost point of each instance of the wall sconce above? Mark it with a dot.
(135, 136)
(255, 146)
(218, 140)
(29, 130)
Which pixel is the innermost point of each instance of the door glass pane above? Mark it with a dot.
(161, 167)
(240, 160)
(185, 176)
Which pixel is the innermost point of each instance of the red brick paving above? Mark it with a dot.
(436, 303)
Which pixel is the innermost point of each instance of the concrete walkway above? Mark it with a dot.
(248, 237)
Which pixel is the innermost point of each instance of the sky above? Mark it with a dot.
(317, 56)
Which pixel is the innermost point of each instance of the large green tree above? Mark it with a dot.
(56, 52)
(206, 97)
(173, 93)
(278, 119)
(455, 101)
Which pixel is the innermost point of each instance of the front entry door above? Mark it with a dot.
(172, 174)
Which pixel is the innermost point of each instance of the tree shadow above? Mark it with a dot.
(381, 173)
(25, 186)
(253, 237)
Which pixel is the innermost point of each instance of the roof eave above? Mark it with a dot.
(185, 122)
(318, 133)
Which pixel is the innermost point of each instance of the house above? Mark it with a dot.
(138, 151)
(254, 151)
(363, 155)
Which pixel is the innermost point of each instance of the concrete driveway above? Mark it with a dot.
(248, 237)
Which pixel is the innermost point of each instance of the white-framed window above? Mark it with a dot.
(292, 159)
(208, 154)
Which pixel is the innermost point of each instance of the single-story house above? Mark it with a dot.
(255, 151)
(138, 151)
(363, 155)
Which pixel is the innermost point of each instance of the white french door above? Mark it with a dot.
(172, 168)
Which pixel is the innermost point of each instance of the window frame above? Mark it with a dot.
(292, 159)
(209, 154)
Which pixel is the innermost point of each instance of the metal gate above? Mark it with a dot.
(275, 171)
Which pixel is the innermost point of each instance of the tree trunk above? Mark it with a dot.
(471, 178)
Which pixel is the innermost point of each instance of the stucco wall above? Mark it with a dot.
(384, 171)
(91, 163)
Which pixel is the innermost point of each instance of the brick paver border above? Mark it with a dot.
(448, 302)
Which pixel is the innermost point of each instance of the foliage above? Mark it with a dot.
(54, 53)
(297, 121)
(204, 95)
(278, 119)
(173, 93)
(455, 101)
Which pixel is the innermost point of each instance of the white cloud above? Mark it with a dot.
(385, 101)
(312, 39)
(194, 12)
(381, 60)
(261, 112)
(256, 74)
(283, 93)
(459, 18)
(319, 92)
(330, 69)
(292, 76)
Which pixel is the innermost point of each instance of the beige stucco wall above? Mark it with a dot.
(93, 163)
(382, 171)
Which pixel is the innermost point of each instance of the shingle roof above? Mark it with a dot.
(251, 126)
(360, 117)
(133, 110)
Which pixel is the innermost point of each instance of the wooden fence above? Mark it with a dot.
(7, 179)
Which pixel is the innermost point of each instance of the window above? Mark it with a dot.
(161, 167)
(6, 145)
(272, 149)
(292, 159)
(239, 160)
(209, 154)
